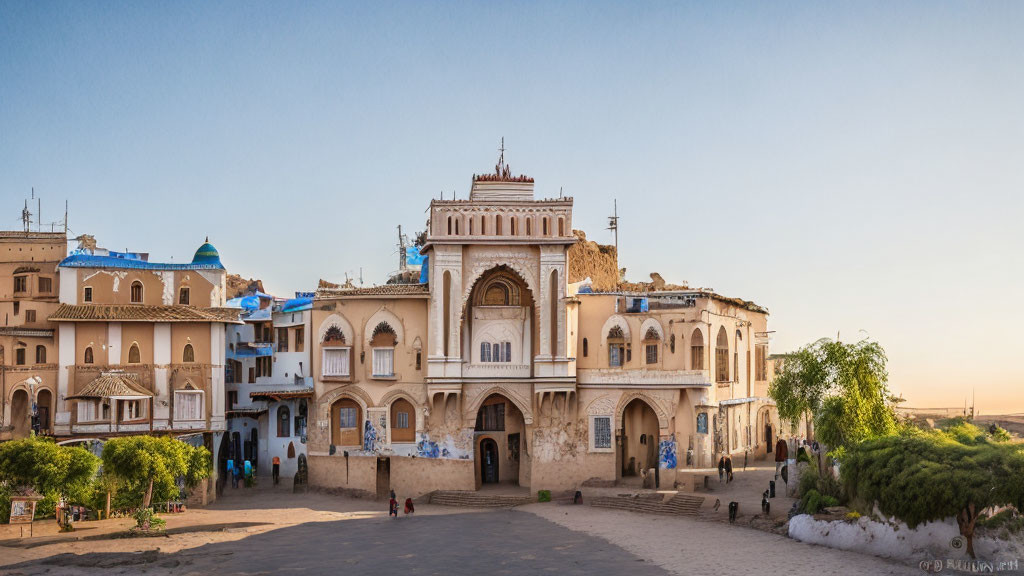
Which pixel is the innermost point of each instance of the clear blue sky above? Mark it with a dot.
(851, 166)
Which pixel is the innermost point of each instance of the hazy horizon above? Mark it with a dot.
(855, 168)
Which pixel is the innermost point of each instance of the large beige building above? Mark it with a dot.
(499, 370)
(141, 347)
(29, 286)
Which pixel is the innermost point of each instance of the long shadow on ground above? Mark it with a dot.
(497, 542)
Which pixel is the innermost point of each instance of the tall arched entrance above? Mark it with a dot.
(498, 334)
(20, 414)
(765, 431)
(500, 443)
(638, 441)
(44, 405)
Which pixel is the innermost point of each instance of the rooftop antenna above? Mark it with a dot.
(402, 243)
(65, 217)
(559, 191)
(26, 216)
(360, 275)
(613, 225)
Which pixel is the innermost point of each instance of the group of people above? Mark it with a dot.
(393, 506)
(240, 473)
(725, 469)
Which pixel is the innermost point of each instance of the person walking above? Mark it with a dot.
(393, 506)
(728, 469)
(409, 508)
(781, 454)
(721, 469)
(237, 476)
(277, 468)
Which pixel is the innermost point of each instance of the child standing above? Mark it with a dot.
(393, 507)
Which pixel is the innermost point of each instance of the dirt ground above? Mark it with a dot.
(271, 530)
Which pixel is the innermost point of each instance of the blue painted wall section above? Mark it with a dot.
(667, 452)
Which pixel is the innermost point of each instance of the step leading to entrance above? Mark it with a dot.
(477, 500)
(678, 505)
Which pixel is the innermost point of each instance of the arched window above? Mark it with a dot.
(696, 350)
(188, 355)
(88, 355)
(383, 342)
(722, 356)
(134, 357)
(585, 350)
(561, 226)
(512, 224)
(284, 429)
(651, 342)
(40, 354)
(449, 225)
(183, 296)
(136, 292)
(616, 347)
(456, 226)
(497, 225)
(403, 421)
(483, 224)
(544, 226)
(529, 226)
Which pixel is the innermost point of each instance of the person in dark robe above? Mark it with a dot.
(721, 469)
(728, 469)
(781, 454)
(409, 507)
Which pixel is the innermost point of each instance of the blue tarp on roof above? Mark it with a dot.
(247, 303)
(413, 256)
(424, 270)
(129, 261)
(297, 304)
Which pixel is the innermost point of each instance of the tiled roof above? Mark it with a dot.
(100, 261)
(382, 290)
(143, 313)
(275, 394)
(113, 383)
(26, 332)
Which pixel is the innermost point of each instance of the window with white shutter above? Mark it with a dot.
(384, 362)
(188, 405)
(335, 362)
(87, 410)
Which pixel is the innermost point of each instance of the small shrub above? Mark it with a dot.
(146, 519)
(853, 515)
(544, 496)
(810, 502)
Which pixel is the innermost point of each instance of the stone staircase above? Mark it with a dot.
(478, 500)
(678, 505)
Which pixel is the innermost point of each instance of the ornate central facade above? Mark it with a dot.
(496, 369)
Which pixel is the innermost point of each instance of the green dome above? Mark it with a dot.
(207, 254)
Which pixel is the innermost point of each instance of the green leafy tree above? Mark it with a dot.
(150, 465)
(54, 471)
(840, 388)
(924, 476)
